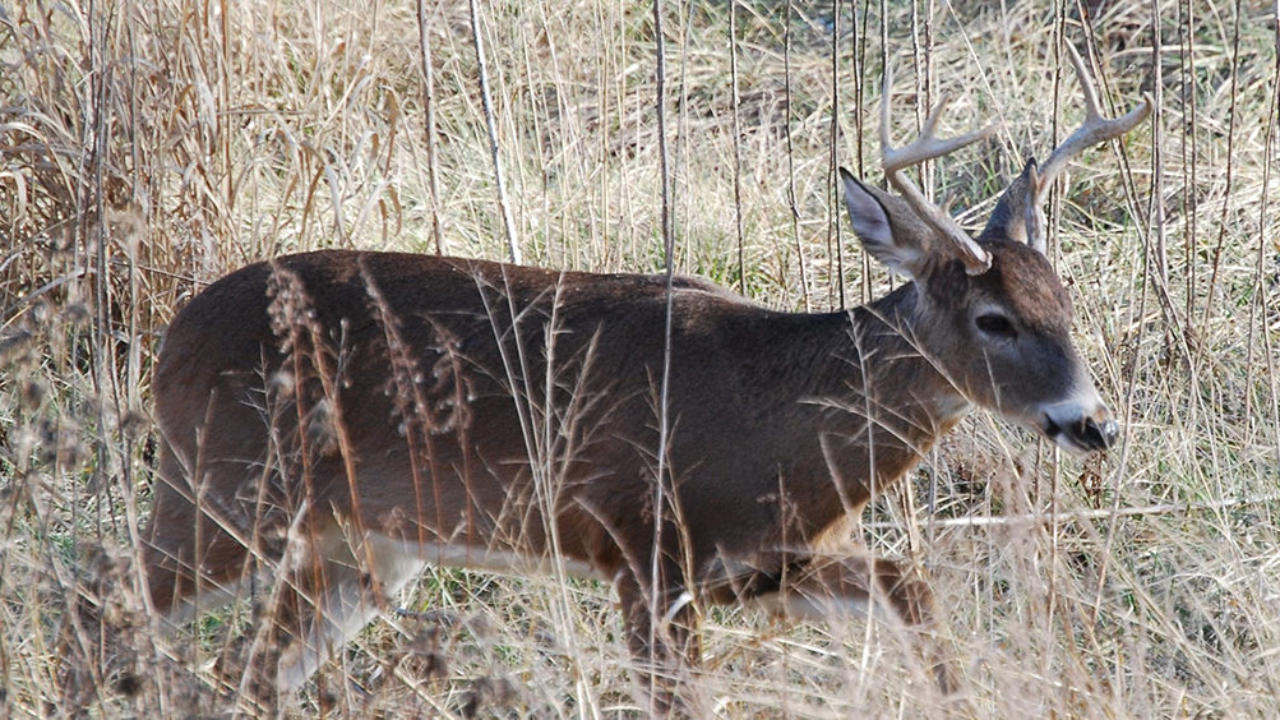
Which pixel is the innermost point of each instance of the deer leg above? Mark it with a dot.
(328, 591)
(104, 630)
(822, 586)
(173, 564)
(819, 587)
(663, 639)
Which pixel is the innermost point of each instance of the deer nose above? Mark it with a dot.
(1081, 432)
(1098, 435)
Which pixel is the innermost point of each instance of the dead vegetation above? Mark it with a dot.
(146, 149)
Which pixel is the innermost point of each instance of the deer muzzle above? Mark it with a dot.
(1078, 431)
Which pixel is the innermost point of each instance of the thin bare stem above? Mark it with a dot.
(834, 246)
(791, 159)
(513, 248)
(1069, 518)
(668, 245)
(737, 143)
(429, 104)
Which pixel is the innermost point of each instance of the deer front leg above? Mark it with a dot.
(819, 587)
(823, 586)
(663, 640)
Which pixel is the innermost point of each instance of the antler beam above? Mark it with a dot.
(1095, 130)
(927, 147)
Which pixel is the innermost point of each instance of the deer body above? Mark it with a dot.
(340, 419)
(763, 404)
(774, 383)
(770, 448)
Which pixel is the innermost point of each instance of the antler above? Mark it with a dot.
(1095, 129)
(926, 147)
(1019, 215)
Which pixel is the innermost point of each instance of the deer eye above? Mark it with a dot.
(995, 324)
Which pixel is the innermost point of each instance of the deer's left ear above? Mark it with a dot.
(1018, 216)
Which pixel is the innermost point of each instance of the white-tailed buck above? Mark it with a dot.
(338, 420)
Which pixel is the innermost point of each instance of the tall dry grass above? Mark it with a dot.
(147, 148)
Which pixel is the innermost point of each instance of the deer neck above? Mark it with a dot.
(887, 399)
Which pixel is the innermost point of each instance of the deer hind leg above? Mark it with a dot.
(330, 591)
(318, 591)
(183, 578)
(189, 562)
(820, 587)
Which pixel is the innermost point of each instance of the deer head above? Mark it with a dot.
(991, 313)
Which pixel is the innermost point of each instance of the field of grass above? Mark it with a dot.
(148, 148)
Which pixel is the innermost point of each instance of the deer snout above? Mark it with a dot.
(1074, 428)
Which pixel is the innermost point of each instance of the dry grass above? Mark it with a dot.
(147, 148)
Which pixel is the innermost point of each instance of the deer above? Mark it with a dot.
(336, 421)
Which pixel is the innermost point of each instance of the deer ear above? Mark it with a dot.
(1018, 216)
(1033, 213)
(886, 226)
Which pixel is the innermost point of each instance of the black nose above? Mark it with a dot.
(1096, 435)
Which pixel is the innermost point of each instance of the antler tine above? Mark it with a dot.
(927, 147)
(1095, 130)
